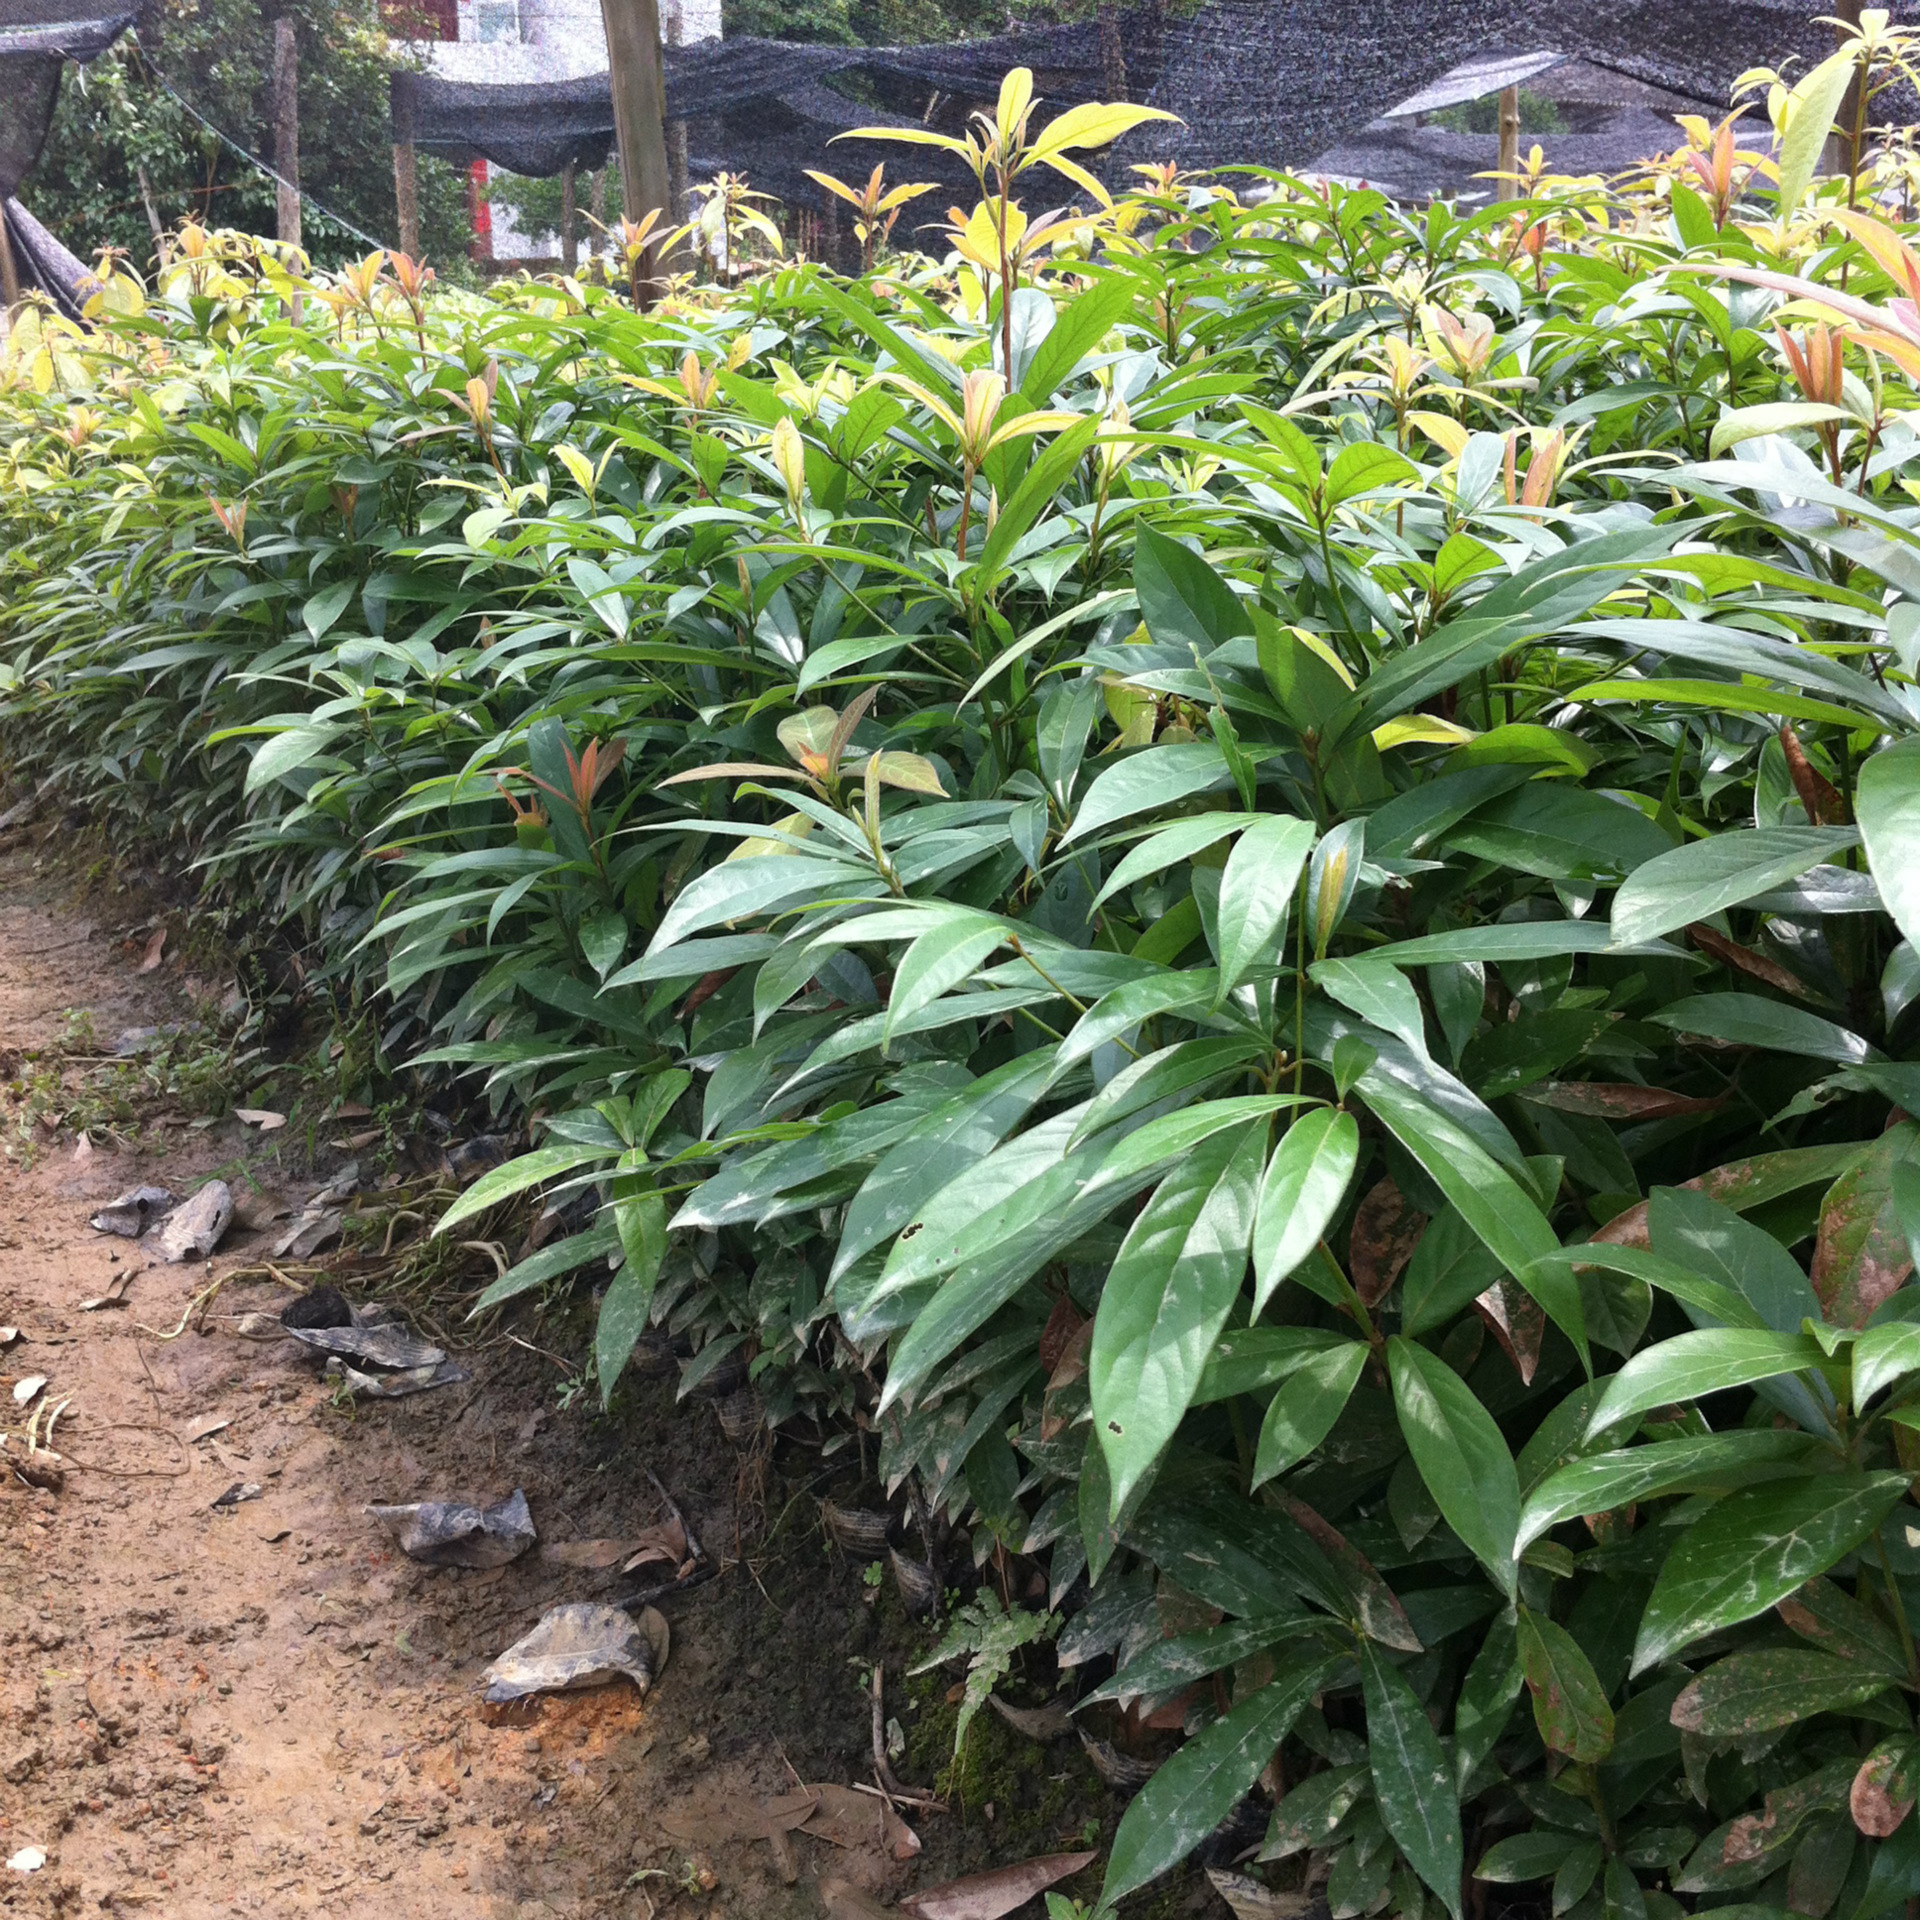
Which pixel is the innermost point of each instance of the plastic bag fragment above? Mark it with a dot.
(450, 1533)
(580, 1644)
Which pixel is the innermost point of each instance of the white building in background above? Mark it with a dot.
(524, 41)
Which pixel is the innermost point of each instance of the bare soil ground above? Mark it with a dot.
(267, 1709)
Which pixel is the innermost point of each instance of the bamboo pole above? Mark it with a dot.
(568, 219)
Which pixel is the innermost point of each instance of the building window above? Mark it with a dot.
(497, 20)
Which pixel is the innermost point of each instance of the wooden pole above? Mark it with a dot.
(1840, 155)
(9, 273)
(568, 220)
(1509, 140)
(639, 117)
(286, 127)
(406, 196)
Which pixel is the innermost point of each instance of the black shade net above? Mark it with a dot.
(1254, 82)
(44, 265)
(36, 38)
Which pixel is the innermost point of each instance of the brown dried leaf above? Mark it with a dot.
(1883, 1790)
(1756, 966)
(1380, 1613)
(1386, 1229)
(1861, 1255)
(989, 1896)
(155, 951)
(1617, 1100)
(844, 1818)
(1517, 1321)
(1056, 1336)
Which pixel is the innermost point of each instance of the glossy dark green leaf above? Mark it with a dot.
(1569, 1703)
(1710, 1462)
(1256, 895)
(1166, 1298)
(1755, 1692)
(1305, 1183)
(1412, 1781)
(1753, 1549)
(641, 1222)
(1705, 877)
(1887, 797)
(1304, 1410)
(1461, 1455)
(1196, 1789)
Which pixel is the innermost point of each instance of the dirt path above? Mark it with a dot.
(267, 1709)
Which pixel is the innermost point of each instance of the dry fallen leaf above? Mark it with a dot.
(262, 1117)
(24, 1390)
(592, 1555)
(156, 948)
(844, 1901)
(1251, 1901)
(8, 1335)
(987, 1896)
(208, 1425)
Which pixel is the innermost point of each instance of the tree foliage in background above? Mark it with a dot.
(1247, 873)
(117, 119)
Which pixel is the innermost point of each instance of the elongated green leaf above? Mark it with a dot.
(1753, 1549)
(1256, 891)
(642, 1225)
(561, 1256)
(1166, 1298)
(1487, 1197)
(1691, 1364)
(1155, 777)
(1887, 800)
(1118, 1012)
(937, 1150)
(1303, 1412)
(1883, 1355)
(740, 889)
(1749, 1021)
(1305, 1182)
(1245, 1359)
(1569, 1703)
(1460, 1454)
(1485, 1705)
(1169, 1665)
(1184, 602)
(1756, 1692)
(1171, 845)
(516, 1176)
(1378, 992)
(1412, 1782)
(1707, 876)
(1200, 1785)
(940, 960)
(1166, 1075)
(1709, 1462)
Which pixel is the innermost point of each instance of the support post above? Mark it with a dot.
(1841, 154)
(286, 127)
(406, 196)
(639, 116)
(569, 220)
(1509, 140)
(9, 273)
(1113, 58)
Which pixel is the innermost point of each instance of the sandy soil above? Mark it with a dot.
(266, 1709)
